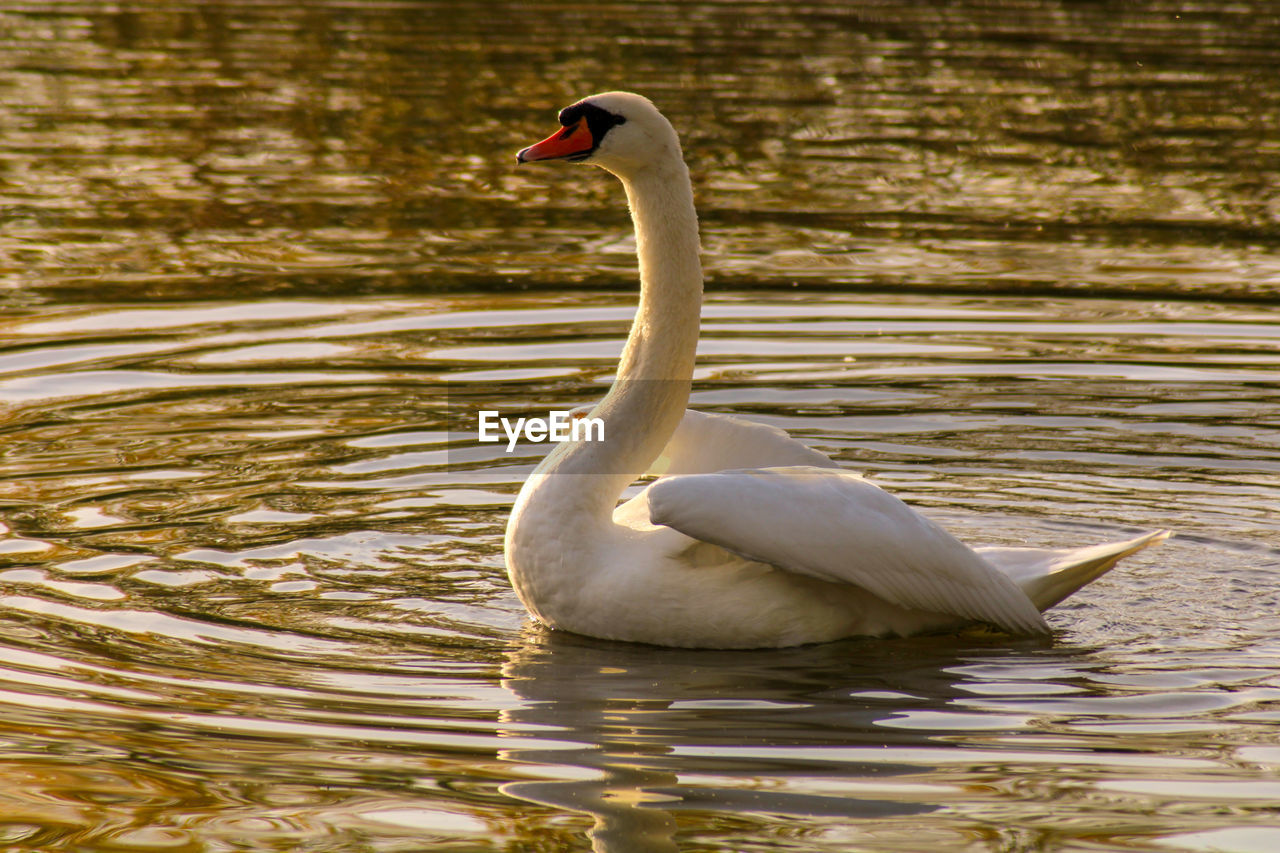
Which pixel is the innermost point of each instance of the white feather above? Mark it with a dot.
(835, 526)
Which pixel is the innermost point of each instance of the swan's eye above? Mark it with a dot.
(601, 121)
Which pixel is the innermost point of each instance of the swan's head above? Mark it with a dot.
(618, 131)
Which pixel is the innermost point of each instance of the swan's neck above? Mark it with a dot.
(651, 390)
(664, 334)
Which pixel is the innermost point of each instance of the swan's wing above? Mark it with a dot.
(1048, 575)
(832, 524)
(704, 443)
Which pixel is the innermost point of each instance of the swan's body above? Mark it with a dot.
(748, 538)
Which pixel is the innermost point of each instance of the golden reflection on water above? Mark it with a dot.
(218, 148)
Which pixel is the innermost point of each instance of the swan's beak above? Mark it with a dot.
(565, 144)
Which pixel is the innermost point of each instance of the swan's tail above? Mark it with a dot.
(1049, 575)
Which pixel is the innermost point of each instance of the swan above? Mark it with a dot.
(747, 538)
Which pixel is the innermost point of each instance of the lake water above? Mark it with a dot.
(1017, 261)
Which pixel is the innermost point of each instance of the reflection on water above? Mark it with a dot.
(221, 148)
(258, 259)
(634, 748)
(870, 744)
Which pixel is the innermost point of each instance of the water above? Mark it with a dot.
(1017, 262)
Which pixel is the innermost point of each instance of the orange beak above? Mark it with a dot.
(564, 144)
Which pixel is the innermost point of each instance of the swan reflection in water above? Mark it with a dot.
(634, 734)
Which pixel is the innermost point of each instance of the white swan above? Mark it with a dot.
(748, 538)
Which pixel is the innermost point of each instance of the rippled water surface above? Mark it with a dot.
(1018, 262)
